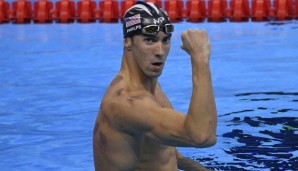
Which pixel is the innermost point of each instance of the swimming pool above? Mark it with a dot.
(53, 77)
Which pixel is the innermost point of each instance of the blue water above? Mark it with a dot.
(52, 78)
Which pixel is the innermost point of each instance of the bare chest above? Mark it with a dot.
(157, 156)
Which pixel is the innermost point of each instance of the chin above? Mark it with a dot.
(155, 75)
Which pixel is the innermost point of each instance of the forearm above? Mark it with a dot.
(201, 120)
(187, 164)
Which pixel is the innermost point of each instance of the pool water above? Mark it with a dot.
(53, 77)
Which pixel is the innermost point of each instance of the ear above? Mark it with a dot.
(127, 44)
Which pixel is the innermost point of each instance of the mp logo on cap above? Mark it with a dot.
(159, 20)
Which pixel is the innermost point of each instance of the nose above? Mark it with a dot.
(159, 49)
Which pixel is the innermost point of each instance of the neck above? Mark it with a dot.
(136, 78)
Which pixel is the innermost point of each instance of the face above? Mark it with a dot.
(150, 52)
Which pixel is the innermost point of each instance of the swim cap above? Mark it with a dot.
(142, 17)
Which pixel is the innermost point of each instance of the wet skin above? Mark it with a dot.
(137, 128)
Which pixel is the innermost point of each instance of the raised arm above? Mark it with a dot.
(201, 120)
(137, 112)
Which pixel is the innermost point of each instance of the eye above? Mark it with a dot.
(166, 40)
(150, 39)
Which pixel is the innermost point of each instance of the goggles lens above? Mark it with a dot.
(154, 29)
(169, 28)
(151, 29)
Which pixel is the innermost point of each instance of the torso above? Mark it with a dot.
(118, 150)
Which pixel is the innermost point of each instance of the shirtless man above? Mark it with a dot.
(137, 128)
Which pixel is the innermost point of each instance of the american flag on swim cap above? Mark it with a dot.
(130, 21)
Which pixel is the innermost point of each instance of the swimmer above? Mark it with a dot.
(137, 128)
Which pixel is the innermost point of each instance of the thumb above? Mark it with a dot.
(182, 47)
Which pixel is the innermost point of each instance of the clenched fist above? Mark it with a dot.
(196, 43)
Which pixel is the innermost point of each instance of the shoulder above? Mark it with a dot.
(120, 98)
(126, 110)
(124, 102)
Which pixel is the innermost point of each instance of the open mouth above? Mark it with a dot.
(157, 63)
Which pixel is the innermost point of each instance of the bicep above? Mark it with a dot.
(145, 116)
(168, 128)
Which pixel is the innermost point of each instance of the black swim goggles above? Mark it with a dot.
(154, 29)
